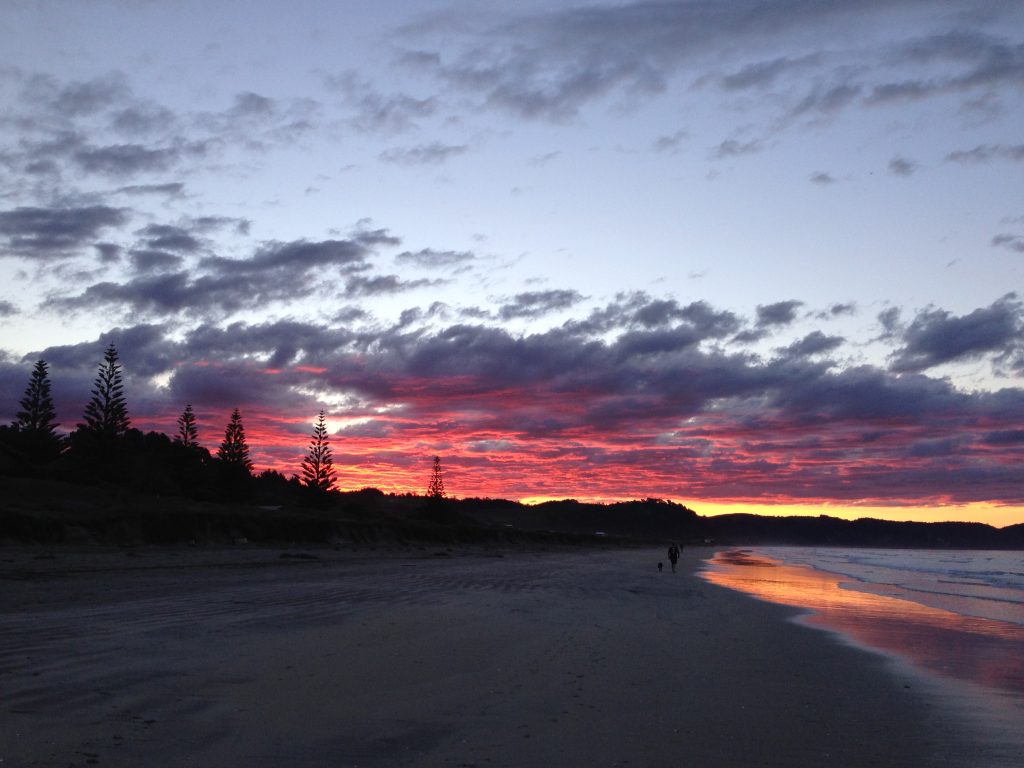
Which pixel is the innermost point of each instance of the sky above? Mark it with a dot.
(760, 256)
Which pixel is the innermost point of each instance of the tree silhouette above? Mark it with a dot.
(318, 466)
(106, 415)
(435, 490)
(37, 414)
(234, 451)
(35, 421)
(188, 434)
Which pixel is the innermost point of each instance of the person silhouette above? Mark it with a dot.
(673, 555)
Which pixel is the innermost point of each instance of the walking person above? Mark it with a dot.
(673, 555)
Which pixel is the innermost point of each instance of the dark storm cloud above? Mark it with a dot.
(935, 336)
(1012, 242)
(538, 303)
(778, 314)
(984, 153)
(55, 232)
(7, 309)
(423, 154)
(432, 259)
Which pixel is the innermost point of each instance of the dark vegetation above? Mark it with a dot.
(109, 483)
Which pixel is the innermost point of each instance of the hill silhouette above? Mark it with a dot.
(281, 511)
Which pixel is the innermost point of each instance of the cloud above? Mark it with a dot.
(383, 284)
(170, 189)
(428, 258)
(78, 98)
(822, 178)
(551, 64)
(936, 336)
(377, 112)
(537, 303)
(734, 148)
(168, 237)
(900, 166)
(778, 314)
(423, 154)
(248, 104)
(644, 401)
(56, 232)
(7, 309)
(128, 160)
(670, 142)
(293, 259)
(1012, 242)
(147, 260)
(814, 343)
(984, 153)
(828, 100)
(763, 74)
(275, 272)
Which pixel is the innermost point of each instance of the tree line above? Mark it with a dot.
(105, 447)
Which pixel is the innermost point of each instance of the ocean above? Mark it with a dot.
(954, 619)
(984, 584)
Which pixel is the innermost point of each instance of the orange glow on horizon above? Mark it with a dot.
(391, 450)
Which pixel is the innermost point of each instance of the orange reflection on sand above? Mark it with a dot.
(967, 648)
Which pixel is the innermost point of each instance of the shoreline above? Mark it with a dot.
(526, 659)
(973, 665)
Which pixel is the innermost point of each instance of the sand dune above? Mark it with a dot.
(422, 658)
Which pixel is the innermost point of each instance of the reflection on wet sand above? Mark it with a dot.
(973, 649)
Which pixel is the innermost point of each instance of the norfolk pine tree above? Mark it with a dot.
(188, 434)
(435, 490)
(234, 451)
(35, 421)
(106, 414)
(318, 466)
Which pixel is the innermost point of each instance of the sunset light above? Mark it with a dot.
(735, 263)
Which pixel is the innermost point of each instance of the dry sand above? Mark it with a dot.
(244, 658)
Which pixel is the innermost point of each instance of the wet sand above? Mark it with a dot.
(427, 658)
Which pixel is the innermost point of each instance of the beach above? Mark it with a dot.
(429, 657)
